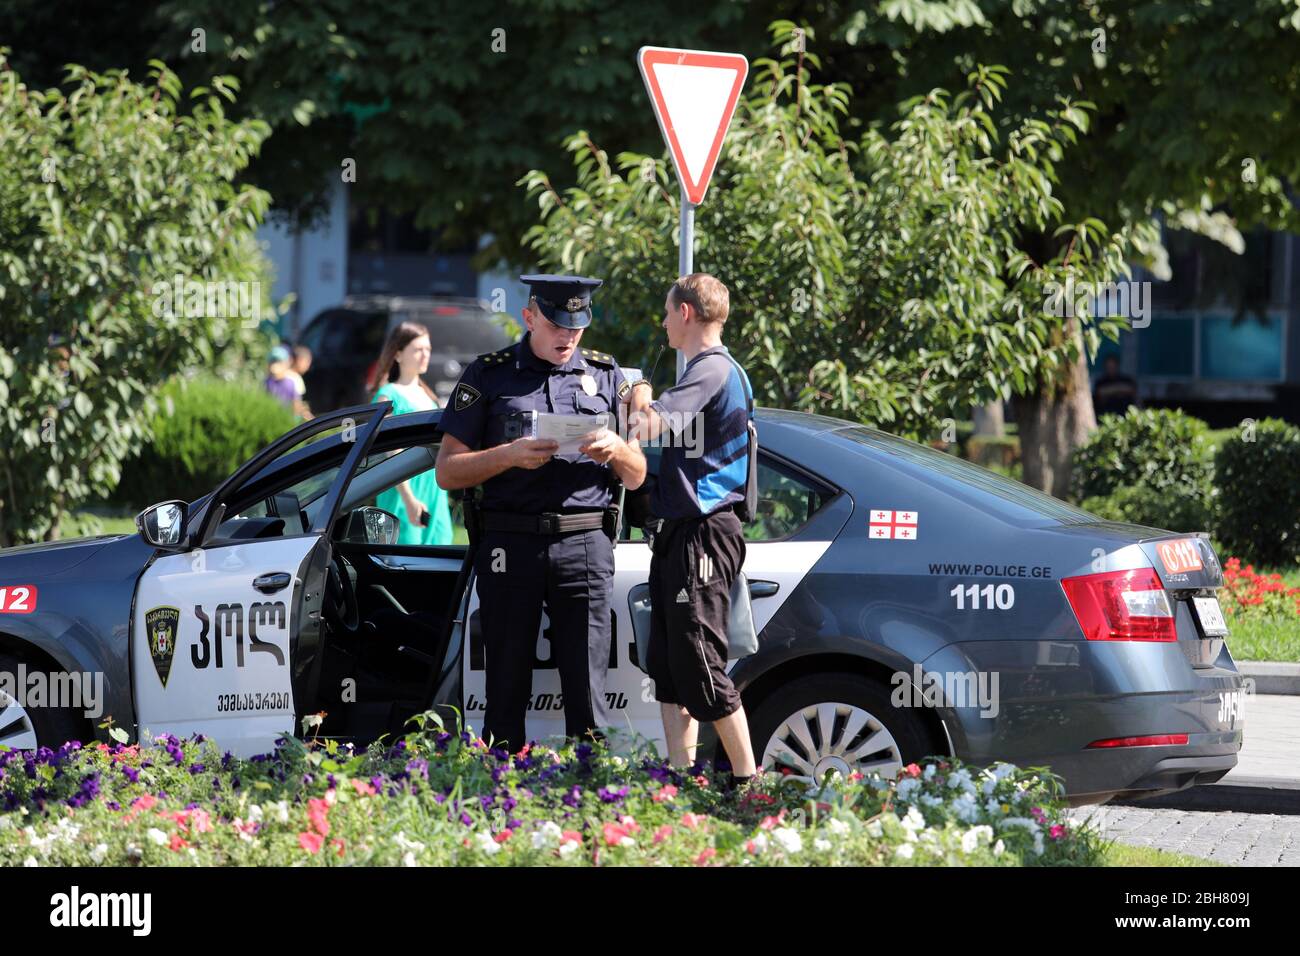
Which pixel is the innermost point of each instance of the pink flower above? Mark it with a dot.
(504, 835)
(363, 788)
(177, 843)
(570, 836)
(912, 770)
(663, 833)
(706, 856)
(311, 842)
(202, 822)
(339, 846)
(145, 801)
(1058, 831)
(317, 813)
(666, 792)
(692, 821)
(615, 833)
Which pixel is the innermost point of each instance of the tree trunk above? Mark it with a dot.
(1055, 421)
(989, 420)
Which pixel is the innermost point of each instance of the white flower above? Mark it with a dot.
(999, 848)
(837, 827)
(787, 839)
(486, 843)
(929, 800)
(1004, 770)
(98, 853)
(965, 808)
(30, 861)
(820, 845)
(133, 852)
(627, 841)
(255, 813)
(992, 807)
(568, 848)
(929, 771)
(282, 811)
(988, 786)
(759, 843)
(913, 820)
(972, 838)
(547, 835)
(157, 836)
(618, 761)
(414, 846)
(408, 859)
(331, 797)
(960, 779)
(905, 851)
(873, 828)
(906, 786)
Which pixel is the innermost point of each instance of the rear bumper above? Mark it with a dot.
(1055, 698)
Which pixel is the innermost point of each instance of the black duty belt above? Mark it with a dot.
(548, 523)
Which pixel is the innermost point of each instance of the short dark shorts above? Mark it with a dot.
(693, 566)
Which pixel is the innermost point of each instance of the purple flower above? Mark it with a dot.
(130, 773)
(574, 797)
(196, 769)
(611, 796)
(466, 819)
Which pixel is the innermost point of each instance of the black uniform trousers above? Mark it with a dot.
(572, 573)
(693, 565)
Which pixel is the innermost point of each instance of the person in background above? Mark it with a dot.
(1114, 391)
(420, 505)
(301, 363)
(279, 379)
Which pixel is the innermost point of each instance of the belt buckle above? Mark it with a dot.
(548, 523)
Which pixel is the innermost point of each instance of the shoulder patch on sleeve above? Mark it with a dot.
(598, 358)
(466, 395)
(624, 388)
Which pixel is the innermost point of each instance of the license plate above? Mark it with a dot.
(1232, 708)
(1211, 616)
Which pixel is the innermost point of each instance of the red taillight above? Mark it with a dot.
(445, 310)
(1121, 606)
(1152, 740)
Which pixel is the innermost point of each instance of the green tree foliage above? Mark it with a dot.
(110, 191)
(877, 279)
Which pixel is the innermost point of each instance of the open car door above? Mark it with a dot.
(226, 627)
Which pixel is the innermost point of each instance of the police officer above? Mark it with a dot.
(547, 526)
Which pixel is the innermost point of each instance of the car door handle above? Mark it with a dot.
(270, 583)
(762, 589)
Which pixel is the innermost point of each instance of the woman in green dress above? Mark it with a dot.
(420, 505)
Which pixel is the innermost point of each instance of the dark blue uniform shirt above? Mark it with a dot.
(499, 384)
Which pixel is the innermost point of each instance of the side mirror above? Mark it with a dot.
(163, 525)
(369, 525)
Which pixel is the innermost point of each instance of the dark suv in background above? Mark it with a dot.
(345, 343)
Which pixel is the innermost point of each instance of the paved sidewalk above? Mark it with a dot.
(1233, 839)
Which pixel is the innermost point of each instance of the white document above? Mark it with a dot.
(570, 431)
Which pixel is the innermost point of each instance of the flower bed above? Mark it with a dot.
(442, 798)
(1262, 611)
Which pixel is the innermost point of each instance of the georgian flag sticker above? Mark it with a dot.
(466, 395)
(893, 525)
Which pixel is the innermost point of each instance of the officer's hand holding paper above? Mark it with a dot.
(570, 432)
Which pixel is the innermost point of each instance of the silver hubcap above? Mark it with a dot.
(832, 736)
(16, 730)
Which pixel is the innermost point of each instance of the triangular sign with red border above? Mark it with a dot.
(694, 94)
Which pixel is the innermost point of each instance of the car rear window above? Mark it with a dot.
(1006, 497)
(459, 331)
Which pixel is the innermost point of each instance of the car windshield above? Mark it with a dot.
(1005, 496)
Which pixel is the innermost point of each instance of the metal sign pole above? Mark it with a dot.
(685, 258)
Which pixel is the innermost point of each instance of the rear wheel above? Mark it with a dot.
(26, 728)
(839, 722)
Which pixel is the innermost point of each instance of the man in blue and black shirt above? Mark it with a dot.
(699, 548)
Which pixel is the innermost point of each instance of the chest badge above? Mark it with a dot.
(588, 384)
(466, 395)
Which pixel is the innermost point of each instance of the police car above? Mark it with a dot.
(908, 603)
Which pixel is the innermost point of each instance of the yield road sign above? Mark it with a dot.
(694, 94)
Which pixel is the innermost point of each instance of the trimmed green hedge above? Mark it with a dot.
(213, 426)
(1258, 476)
(1150, 466)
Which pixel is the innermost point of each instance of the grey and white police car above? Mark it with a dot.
(908, 603)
